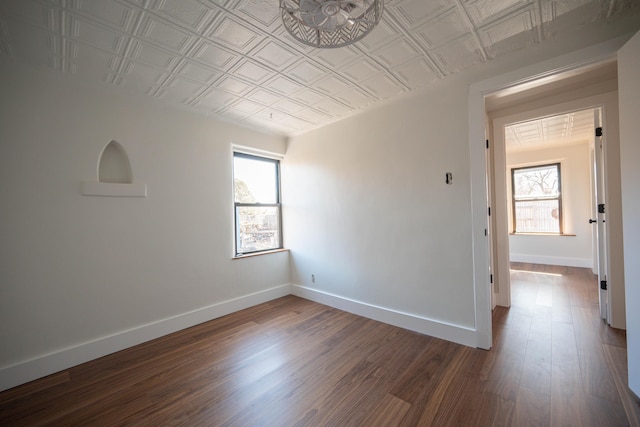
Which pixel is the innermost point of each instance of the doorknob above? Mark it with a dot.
(591, 221)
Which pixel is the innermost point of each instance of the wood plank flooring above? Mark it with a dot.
(292, 362)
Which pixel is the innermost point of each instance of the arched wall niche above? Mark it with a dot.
(114, 166)
(114, 175)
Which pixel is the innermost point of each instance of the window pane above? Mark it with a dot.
(536, 182)
(537, 216)
(255, 180)
(257, 228)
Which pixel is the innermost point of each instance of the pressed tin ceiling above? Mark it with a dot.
(232, 59)
(562, 129)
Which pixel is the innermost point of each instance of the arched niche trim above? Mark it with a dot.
(114, 166)
(114, 175)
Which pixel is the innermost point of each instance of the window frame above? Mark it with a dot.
(278, 204)
(514, 220)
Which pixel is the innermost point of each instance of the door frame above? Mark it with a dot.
(498, 178)
(601, 230)
(629, 98)
(538, 72)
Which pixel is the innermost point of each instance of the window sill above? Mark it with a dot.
(274, 251)
(542, 234)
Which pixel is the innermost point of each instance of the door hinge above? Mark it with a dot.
(485, 232)
(603, 285)
(489, 210)
(601, 208)
(491, 278)
(598, 131)
(487, 142)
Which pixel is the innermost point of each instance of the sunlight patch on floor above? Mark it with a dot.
(536, 272)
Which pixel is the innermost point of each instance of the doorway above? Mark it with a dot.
(595, 89)
(544, 184)
(554, 77)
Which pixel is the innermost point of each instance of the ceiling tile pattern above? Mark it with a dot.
(232, 59)
(563, 129)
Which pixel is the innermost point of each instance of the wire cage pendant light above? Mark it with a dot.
(330, 23)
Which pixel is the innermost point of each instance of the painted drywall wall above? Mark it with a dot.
(369, 214)
(574, 249)
(628, 75)
(75, 269)
(432, 123)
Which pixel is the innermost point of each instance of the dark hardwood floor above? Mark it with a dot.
(292, 362)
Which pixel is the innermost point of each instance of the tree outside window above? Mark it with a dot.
(537, 199)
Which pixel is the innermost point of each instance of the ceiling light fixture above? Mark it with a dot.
(330, 23)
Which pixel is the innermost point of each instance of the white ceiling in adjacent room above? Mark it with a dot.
(233, 60)
(563, 129)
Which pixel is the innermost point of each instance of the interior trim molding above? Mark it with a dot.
(56, 361)
(446, 331)
(41, 366)
(572, 61)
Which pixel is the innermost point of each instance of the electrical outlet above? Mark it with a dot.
(313, 278)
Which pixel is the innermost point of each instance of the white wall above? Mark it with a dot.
(367, 210)
(628, 72)
(83, 276)
(574, 248)
(368, 213)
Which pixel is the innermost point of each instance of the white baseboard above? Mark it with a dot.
(446, 331)
(552, 260)
(23, 372)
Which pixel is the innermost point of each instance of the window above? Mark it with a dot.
(537, 199)
(256, 182)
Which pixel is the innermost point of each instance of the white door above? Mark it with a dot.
(599, 217)
(629, 99)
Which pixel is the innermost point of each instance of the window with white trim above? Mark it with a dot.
(258, 217)
(537, 199)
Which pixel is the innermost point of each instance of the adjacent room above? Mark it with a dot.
(304, 212)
